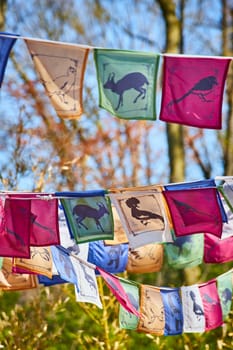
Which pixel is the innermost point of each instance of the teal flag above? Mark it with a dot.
(127, 81)
(224, 285)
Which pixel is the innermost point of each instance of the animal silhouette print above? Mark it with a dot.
(196, 307)
(83, 211)
(202, 88)
(135, 80)
(144, 216)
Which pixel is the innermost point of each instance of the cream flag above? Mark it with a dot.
(61, 70)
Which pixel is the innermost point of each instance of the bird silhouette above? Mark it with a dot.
(202, 88)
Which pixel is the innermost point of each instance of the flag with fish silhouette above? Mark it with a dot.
(61, 68)
(116, 288)
(148, 258)
(16, 281)
(127, 82)
(172, 310)
(63, 264)
(40, 262)
(126, 319)
(152, 319)
(143, 217)
(186, 251)
(7, 41)
(224, 285)
(89, 215)
(195, 210)
(15, 226)
(220, 250)
(192, 92)
(193, 310)
(111, 258)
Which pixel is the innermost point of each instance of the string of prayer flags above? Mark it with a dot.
(89, 215)
(195, 210)
(172, 310)
(127, 82)
(116, 288)
(126, 319)
(224, 286)
(192, 91)
(6, 44)
(143, 216)
(111, 258)
(61, 70)
(148, 258)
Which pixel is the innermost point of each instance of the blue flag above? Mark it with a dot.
(173, 311)
(6, 44)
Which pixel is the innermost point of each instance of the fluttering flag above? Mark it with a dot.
(43, 216)
(61, 70)
(14, 227)
(63, 264)
(152, 319)
(186, 251)
(192, 92)
(55, 279)
(7, 41)
(40, 262)
(116, 288)
(16, 281)
(126, 319)
(145, 259)
(120, 236)
(224, 285)
(227, 192)
(194, 211)
(111, 258)
(143, 217)
(127, 82)
(89, 215)
(173, 311)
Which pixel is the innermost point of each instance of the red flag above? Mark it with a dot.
(193, 90)
(116, 288)
(194, 211)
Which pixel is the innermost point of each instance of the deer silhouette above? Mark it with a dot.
(143, 216)
(134, 80)
(83, 211)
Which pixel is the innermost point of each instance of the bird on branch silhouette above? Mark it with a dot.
(202, 88)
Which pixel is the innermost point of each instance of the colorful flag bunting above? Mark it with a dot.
(194, 211)
(152, 319)
(145, 259)
(110, 258)
(61, 70)
(116, 288)
(224, 285)
(6, 44)
(173, 311)
(192, 90)
(126, 319)
(127, 82)
(89, 215)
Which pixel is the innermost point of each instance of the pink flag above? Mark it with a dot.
(61, 69)
(211, 304)
(116, 288)
(43, 215)
(193, 90)
(194, 211)
(14, 228)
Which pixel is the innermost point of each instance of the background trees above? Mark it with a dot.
(39, 151)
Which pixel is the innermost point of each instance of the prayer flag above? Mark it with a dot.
(148, 258)
(227, 192)
(14, 227)
(120, 236)
(186, 251)
(194, 211)
(6, 44)
(126, 319)
(55, 279)
(143, 216)
(63, 264)
(152, 319)
(173, 311)
(61, 70)
(110, 258)
(127, 82)
(116, 288)
(89, 215)
(224, 285)
(192, 92)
